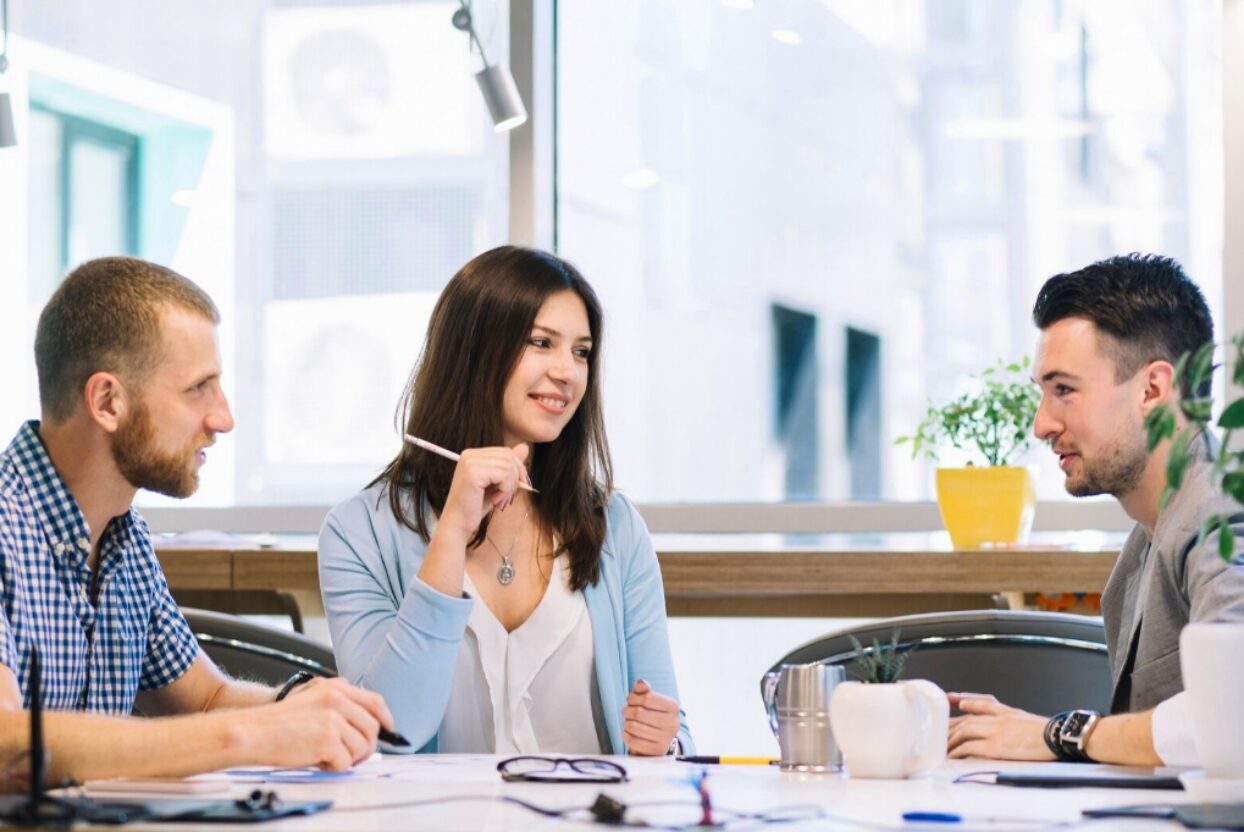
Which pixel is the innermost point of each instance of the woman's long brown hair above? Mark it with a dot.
(476, 336)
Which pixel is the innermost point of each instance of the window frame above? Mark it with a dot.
(78, 129)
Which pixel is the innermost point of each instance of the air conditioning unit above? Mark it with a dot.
(369, 82)
(334, 370)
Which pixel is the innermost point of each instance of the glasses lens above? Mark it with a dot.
(528, 766)
(597, 769)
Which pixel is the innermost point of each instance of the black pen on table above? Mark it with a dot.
(393, 738)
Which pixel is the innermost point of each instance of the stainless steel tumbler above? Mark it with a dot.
(797, 699)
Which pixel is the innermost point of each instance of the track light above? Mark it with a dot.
(496, 83)
(8, 135)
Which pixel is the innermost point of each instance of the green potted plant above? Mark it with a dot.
(1211, 652)
(882, 663)
(993, 502)
(1192, 371)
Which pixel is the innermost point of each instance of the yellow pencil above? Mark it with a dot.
(729, 761)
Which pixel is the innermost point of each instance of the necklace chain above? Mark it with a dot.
(505, 574)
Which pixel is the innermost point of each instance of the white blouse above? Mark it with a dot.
(532, 691)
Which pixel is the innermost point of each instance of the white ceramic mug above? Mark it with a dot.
(890, 731)
(1211, 657)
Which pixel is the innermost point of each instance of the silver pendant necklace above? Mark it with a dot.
(505, 574)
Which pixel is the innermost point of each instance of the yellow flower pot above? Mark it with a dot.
(986, 505)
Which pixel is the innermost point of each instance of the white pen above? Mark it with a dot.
(450, 455)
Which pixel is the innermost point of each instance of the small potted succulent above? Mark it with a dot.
(993, 502)
(881, 663)
(888, 727)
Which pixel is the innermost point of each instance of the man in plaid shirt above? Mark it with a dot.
(129, 387)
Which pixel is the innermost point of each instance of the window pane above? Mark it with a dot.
(807, 218)
(46, 231)
(99, 200)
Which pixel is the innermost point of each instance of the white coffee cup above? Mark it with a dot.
(890, 731)
(1212, 660)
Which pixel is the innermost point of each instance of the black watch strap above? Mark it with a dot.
(1074, 733)
(299, 678)
(1053, 730)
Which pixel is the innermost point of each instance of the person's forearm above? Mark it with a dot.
(86, 746)
(238, 694)
(1124, 739)
(444, 564)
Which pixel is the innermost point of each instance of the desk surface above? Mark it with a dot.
(853, 804)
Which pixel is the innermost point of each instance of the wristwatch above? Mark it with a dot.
(1073, 734)
(299, 678)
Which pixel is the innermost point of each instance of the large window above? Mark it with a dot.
(806, 218)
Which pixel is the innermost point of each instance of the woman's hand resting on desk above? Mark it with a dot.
(484, 479)
(650, 721)
(990, 729)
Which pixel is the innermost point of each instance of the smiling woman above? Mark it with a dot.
(498, 619)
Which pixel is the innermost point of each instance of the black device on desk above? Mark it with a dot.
(38, 808)
(1063, 775)
(1191, 815)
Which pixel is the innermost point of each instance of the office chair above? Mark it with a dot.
(257, 652)
(1041, 662)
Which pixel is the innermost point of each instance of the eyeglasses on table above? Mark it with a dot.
(536, 769)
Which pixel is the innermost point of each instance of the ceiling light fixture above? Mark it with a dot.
(496, 83)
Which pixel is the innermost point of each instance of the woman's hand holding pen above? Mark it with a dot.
(484, 479)
(650, 721)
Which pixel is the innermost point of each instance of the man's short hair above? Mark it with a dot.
(1143, 305)
(105, 317)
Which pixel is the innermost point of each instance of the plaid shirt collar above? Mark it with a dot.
(66, 527)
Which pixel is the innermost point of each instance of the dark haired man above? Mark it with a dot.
(1111, 335)
(129, 386)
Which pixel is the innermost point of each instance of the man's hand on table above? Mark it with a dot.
(990, 729)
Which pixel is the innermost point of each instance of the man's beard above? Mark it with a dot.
(144, 466)
(1116, 475)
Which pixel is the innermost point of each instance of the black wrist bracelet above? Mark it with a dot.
(1051, 734)
(299, 678)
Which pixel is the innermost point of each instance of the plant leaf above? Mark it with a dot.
(1233, 416)
(1226, 542)
(1177, 462)
(1233, 484)
(1161, 424)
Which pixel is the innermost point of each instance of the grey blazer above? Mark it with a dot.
(1158, 585)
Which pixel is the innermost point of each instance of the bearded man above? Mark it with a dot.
(130, 395)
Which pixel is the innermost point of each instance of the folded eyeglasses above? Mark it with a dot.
(535, 769)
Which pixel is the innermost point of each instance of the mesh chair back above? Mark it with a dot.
(1040, 662)
(257, 652)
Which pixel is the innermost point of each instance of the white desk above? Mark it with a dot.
(746, 788)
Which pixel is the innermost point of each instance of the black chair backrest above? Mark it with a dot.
(259, 653)
(1040, 662)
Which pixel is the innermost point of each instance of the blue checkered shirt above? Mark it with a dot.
(96, 655)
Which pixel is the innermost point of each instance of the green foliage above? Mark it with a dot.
(880, 663)
(1191, 373)
(995, 422)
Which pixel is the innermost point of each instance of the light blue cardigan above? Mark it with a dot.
(394, 634)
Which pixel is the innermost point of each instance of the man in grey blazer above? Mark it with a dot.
(1111, 335)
